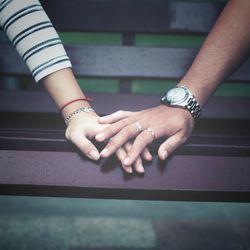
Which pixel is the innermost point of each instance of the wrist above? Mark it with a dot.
(182, 97)
(200, 88)
(73, 107)
(78, 112)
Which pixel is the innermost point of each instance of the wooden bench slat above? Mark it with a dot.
(38, 101)
(120, 62)
(39, 139)
(147, 16)
(23, 128)
(202, 178)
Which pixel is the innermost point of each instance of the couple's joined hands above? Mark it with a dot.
(84, 127)
(129, 133)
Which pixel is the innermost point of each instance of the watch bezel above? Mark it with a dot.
(181, 100)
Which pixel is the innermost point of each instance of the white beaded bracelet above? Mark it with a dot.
(80, 110)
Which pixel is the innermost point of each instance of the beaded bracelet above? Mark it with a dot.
(80, 110)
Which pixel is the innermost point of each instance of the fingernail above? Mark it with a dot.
(126, 161)
(93, 154)
(104, 152)
(129, 170)
(140, 168)
(99, 136)
(149, 156)
(164, 155)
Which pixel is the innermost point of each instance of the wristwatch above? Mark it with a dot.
(181, 96)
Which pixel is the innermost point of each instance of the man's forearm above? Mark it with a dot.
(225, 47)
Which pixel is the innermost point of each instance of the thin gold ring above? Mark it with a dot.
(139, 126)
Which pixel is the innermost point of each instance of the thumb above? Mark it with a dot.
(170, 145)
(86, 147)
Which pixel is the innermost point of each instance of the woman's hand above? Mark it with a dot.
(81, 129)
(173, 124)
(84, 126)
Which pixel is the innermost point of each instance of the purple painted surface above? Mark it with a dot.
(180, 173)
(26, 101)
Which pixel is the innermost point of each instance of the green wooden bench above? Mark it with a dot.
(35, 158)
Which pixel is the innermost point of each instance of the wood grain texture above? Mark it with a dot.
(68, 174)
(38, 101)
(120, 62)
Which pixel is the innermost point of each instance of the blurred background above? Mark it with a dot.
(69, 223)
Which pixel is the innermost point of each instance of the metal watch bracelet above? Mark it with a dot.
(194, 108)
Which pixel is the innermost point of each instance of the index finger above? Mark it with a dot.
(124, 135)
(113, 129)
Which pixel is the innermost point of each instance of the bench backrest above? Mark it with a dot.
(221, 138)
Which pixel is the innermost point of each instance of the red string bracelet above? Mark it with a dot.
(88, 99)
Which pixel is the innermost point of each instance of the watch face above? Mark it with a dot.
(176, 95)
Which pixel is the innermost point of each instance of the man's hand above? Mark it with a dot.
(173, 124)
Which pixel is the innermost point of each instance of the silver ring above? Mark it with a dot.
(150, 130)
(139, 126)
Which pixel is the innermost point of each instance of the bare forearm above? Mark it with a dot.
(225, 47)
(63, 88)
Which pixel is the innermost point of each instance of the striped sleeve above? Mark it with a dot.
(34, 37)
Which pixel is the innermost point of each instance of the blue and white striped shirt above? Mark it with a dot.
(34, 37)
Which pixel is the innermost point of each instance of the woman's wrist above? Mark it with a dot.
(72, 107)
(87, 99)
(65, 91)
(78, 112)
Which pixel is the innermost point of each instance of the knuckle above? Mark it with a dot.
(120, 112)
(71, 133)
(123, 136)
(141, 139)
(112, 144)
(127, 131)
(128, 146)
(123, 123)
(88, 148)
(144, 137)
